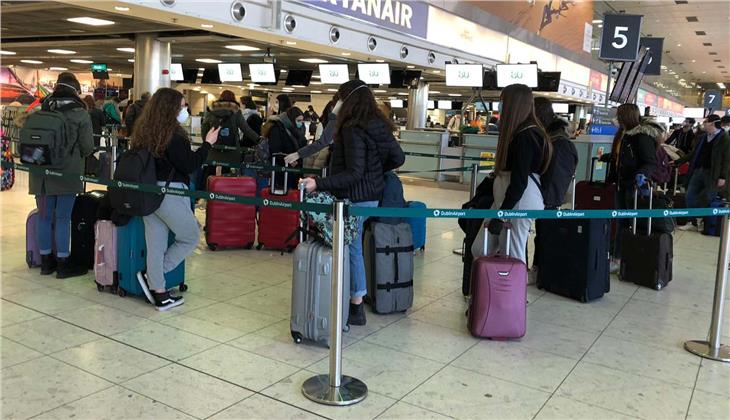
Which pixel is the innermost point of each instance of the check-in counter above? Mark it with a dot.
(424, 141)
(589, 147)
(478, 146)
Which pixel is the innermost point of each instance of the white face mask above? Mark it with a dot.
(182, 116)
(337, 107)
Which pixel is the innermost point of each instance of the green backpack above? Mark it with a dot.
(43, 139)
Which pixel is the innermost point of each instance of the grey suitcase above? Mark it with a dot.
(388, 252)
(311, 295)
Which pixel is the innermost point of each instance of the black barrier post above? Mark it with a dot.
(713, 348)
(335, 388)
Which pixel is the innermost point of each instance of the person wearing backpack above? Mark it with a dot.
(226, 114)
(363, 150)
(133, 111)
(159, 132)
(285, 136)
(55, 197)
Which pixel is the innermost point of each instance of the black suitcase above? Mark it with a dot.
(678, 200)
(646, 259)
(83, 218)
(574, 257)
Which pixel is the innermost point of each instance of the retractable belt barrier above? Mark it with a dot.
(384, 211)
(455, 157)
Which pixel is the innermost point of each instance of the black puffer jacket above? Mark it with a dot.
(636, 154)
(359, 159)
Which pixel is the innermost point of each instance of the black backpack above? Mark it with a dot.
(228, 135)
(556, 180)
(392, 197)
(136, 166)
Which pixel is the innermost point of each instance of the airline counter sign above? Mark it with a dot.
(403, 16)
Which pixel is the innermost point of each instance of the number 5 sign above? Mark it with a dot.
(620, 38)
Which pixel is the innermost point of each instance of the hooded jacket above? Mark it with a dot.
(221, 111)
(635, 153)
(80, 134)
(359, 159)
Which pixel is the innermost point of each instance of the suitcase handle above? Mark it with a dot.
(273, 174)
(508, 226)
(636, 207)
(594, 159)
(302, 220)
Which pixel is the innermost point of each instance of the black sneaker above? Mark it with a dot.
(67, 268)
(165, 301)
(357, 314)
(142, 279)
(48, 264)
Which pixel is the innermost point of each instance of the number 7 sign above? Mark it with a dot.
(620, 37)
(713, 100)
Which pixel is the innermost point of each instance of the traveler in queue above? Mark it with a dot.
(286, 136)
(251, 114)
(632, 161)
(709, 168)
(523, 154)
(226, 114)
(134, 110)
(683, 138)
(111, 110)
(282, 104)
(663, 172)
(97, 118)
(725, 123)
(363, 149)
(325, 140)
(159, 131)
(55, 197)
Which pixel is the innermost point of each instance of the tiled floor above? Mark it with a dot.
(69, 351)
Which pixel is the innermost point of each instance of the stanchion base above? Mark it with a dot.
(703, 349)
(458, 251)
(318, 389)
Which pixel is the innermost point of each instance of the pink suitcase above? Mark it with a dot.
(105, 255)
(498, 305)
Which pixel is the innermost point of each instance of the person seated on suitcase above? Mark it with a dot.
(55, 196)
(158, 130)
(363, 150)
(286, 137)
(709, 167)
(632, 161)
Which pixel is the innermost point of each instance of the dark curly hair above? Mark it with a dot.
(158, 123)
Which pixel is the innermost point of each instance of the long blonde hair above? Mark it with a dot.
(158, 123)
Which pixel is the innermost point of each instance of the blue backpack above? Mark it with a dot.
(392, 197)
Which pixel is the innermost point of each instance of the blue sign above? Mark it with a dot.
(406, 16)
(603, 129)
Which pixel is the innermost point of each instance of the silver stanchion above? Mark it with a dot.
(113, 157)
(472, 192)
(713, 349)
(335, 388)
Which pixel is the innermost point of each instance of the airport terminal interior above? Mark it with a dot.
(259, 321)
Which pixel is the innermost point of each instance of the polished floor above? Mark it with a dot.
(69, 351)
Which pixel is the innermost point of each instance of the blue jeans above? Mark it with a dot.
(54, 210)
(358, 282)
(701, 189)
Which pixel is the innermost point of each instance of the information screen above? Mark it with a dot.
(262, 73)
(396, 103)
(444, 104)
(509, 74)
(176, 72)
(697, 113)
(464, 75)
(374, 74)
(561, 108)
(334, 74)
(230, 72)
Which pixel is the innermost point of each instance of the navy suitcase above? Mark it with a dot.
(132, 257)
(418, 226)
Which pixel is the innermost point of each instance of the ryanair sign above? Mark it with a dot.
(410, 17)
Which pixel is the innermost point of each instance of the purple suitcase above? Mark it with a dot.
(32, 252)
(498, 304)
(105, 255)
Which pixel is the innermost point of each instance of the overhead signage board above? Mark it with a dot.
(98, 67)
(697, 113)
(334, 74)
(655, 46)
(509, 74)
(713, 100)
(603, 115)
(446, 105)
(396, 103)
(405, 16)
(561, 108)
(262, 73)
(620, 37)
(230, 72)
(464, 75)
(176, 72)
(374, 74)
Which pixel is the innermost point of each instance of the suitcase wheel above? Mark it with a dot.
(183, 287)
(658, 286)
(296, 336)
(121, 292)
(259, 246)
(212, 247)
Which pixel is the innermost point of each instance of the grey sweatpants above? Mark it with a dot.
(173, 215)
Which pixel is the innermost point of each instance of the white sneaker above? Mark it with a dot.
(145, 288)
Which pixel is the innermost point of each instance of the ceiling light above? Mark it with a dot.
(206, 25)
(252, 85)
(316, 77)
(694, 61)
(316, 83)
(435, 92)
(704, 72)
(331, 90)
(57, 68)
(90, 21)
(436, 72)
(595, 49)
(299, 86)
(208, 60)
(131, 60)
(121, 8)
(380, 61)
(380, 91)
(283, 70)
(31, 61)
(454, 94)
(346, 54)
(126, 49)
(411, 67)
(7, 52)
(201, 68)
(679, 45)
(242, 48)
(291, 43)
(79, 61)
(600, 25)
(721, 85)
(200, 73)
(313, 60)
(597, 21)
(65, 52)
(316, 91)
(402, 94)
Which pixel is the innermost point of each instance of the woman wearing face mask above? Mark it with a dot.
(363, 149)
(329, 115)
(158, 130)
(286, 136)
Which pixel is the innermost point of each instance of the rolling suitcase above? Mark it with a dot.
(646, 260)
(388, 253)
(230, 225)
(132, 257)
(105, 255)
(312, 292)
(498, 303)
(83, 218)
(32, 250)
(679, 200)
(418, 226)
(591, 195)
(276, 225)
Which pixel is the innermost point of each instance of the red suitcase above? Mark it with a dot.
(276, 225)
(590, 195)
(498, 304)
(230, 225)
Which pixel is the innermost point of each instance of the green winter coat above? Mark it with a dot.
(79, 131)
